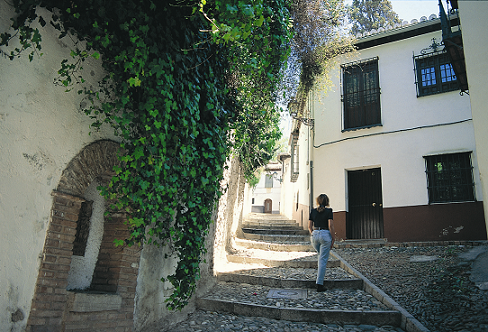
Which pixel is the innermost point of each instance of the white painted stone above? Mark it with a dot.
(423, 258)
(81, 271)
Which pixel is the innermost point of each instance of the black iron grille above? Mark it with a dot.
(450, 178)
(361, 94)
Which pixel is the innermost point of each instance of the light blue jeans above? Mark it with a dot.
(321, 241)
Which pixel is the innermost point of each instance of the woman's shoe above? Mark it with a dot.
(320, 288)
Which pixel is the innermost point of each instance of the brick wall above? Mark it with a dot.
(109, 304)
(50, 293)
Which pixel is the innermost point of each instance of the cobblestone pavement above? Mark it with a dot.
(432, 283)
(345, 299)
(300, 274)
(334, 299)
(204, 321)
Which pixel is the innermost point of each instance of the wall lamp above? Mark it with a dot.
(293, 107)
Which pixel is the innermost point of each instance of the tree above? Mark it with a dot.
(366, 15)
(319, 37)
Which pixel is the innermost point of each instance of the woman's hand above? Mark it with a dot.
(332, 232)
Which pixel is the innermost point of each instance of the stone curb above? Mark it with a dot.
(288, 283)
(408, 322)
(356, 317)
(250, 244)
(384, 243)
(277, 263)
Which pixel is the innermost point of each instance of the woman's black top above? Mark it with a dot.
(321, 219)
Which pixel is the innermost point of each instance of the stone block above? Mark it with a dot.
(86, 302)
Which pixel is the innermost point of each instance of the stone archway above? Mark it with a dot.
(109, 302)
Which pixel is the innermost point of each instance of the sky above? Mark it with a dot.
(408, 10)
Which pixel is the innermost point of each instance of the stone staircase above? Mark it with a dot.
(272, 274)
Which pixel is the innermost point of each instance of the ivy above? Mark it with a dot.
(186, 82)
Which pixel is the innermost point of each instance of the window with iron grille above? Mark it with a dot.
(450, 178)
(294, 157)
(434, 74)
(361, 94)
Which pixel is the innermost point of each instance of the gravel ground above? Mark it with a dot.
(333, 299)
(438, 293)
(204, 321)
(298, 274)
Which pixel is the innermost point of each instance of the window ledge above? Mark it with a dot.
(364, 127)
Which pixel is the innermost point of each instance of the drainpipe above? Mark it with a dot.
(311, 144)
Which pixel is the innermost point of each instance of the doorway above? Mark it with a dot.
(365, 217)
(268, 206)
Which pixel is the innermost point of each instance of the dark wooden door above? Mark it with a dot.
(365, 216)
(268, 206)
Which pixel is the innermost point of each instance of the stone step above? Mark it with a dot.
(270, 258)
(266, 217)
(291, 224)
(304, 246)
(277, 237)
(292, 278)
(347, 306)
(274, 231)
(279, 263)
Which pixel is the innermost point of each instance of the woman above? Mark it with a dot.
(321, 226)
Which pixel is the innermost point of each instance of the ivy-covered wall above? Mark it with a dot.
(178, 141)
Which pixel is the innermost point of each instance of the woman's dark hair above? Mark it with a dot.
(322, 202)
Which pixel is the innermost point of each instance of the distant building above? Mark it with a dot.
(393, 142)
(266, 196)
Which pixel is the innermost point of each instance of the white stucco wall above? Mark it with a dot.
(411, 128)
(293, 193)
(475, 39)
(286, 191)
(41, 130)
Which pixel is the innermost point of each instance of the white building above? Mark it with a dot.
(266, 196)
(393, 144)
(475, 39)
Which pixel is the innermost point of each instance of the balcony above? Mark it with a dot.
(453, 41)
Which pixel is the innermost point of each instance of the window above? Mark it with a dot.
(434, 74)
(268, 181)
(361, 94)
(450, 178)
(294, 157)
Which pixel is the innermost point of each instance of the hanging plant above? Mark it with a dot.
(185, 81)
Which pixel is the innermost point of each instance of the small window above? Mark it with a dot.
(434, 74)
(450, 178)
(268, 181)
(361, 94)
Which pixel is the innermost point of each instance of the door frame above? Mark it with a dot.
(364, 218)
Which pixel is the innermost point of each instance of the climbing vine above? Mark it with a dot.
(185, 82)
